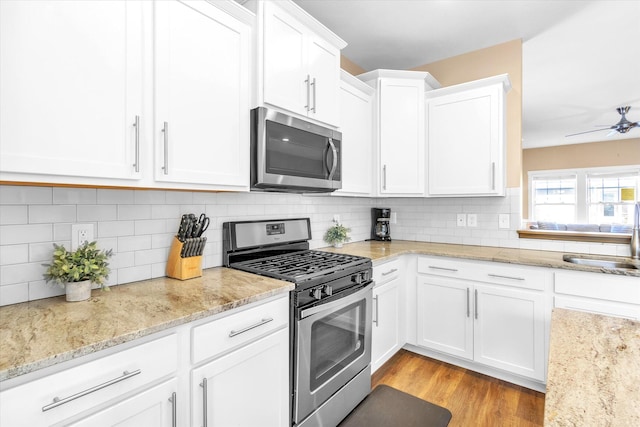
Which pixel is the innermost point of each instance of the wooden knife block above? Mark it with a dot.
(182, 268)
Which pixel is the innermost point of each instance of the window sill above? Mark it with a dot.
(575, 236)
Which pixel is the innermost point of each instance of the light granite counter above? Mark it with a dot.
(380, 252)
(594, 371)
(38, 334)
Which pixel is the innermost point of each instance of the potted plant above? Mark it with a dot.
(77, 270)
(337, 234)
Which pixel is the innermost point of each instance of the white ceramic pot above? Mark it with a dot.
(337, 245)
(78, 291)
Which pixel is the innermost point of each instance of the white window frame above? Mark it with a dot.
(581, 174)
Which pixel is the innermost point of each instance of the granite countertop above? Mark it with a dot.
(594, 371)
(380, 252)
(41, 333)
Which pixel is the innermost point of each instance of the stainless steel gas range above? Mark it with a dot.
(330, 353)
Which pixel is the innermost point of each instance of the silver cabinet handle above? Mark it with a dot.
(384, 177)
(308, 82)
(174, 409)
(57, 401)
(393, 270)
(248, 328)
(376, 309)
(505, 277)
(468, 305)
(453, 270)
(203, 384)
(314, 95)
(334, 165)
(475, 301)
(165, 130)
(493, 175)
(136, 124)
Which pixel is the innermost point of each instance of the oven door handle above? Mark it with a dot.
(336, 303)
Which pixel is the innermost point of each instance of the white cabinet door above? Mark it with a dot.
(509, 330)
(201, 130)
(445, 321)
(71, 84)
(301, 70)
(466, 141)
(385, 339)
(356, 126)
(155, 407)
(248, 387)
(401, 136)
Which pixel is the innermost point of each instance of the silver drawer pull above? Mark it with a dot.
(505, 277)
(248, 328)
(174, 409)
(453, 270)
(57, 401)
(393, 270)
(203, 384)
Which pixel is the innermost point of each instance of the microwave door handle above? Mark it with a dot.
(334, 166)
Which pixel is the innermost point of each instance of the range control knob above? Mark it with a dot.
(316, 293)
(356, 278)
(328, 290)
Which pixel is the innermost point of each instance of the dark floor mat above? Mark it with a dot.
(387, 407)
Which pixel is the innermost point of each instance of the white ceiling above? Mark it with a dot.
(581, 59)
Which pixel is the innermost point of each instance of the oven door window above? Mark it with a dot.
(294, 152)
(337, 339)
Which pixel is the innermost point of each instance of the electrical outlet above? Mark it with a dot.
(472, 220)
(394, 218)
(461, 220)
(336, 218)
(81, 233)
(503, 220)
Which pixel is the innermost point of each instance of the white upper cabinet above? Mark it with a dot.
(356, 126)
(298, 62)
(71, 89)
(466, 138)
(399, 130)
(201, 127)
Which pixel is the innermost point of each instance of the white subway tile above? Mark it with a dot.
(41, 214)
(202, 198)
(151, 256)
(40, 289)
(14, 214)
(20, 195)
(14, 254)
(74, 196)
(32, 233)
(134, 243)
(115, 197)
(162, 240)
(149, 197)
(115, 228)
(40, 252)
(179, 198)
(19, 273)
(122, 260)
(61, 231)
(166, 212)
(126, 212)
(13, 294)
(93, 213)
(159, 270)
(134, 274)
(107, 243)
(150, 226)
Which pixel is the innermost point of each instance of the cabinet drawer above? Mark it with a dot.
(59, 396)
(218, 336)
(602, 286)
(517, 276)
(606, 308)
(384, 272)
(447, 267)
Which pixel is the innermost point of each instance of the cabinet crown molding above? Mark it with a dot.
(499, 79)
(430, 81)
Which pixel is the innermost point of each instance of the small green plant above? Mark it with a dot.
(337, 233)
(85, 263)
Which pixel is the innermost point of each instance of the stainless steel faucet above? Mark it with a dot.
(635, 233)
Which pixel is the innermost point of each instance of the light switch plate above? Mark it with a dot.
(472, 220)
(461, 220)
(503, 220)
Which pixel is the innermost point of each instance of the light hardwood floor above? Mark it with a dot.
(475, 400)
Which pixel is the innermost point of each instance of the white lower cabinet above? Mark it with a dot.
(247, 387)
(156, 407)
(496, 324)
(387, 335)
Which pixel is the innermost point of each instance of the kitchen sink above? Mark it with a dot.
(598, 262)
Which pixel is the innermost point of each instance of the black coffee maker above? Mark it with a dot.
(380, 220)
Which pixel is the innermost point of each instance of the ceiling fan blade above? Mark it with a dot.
(589, 131)
(613, 132)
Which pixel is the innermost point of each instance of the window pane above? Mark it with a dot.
(554, 199)
(555, 213)
(611, 198)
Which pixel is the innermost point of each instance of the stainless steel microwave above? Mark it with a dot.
(292, 155)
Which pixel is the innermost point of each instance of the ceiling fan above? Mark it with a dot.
(623, 126)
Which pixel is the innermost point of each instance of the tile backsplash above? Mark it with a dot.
(140, 224)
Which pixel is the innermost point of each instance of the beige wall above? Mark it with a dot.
(350, 66)
(491, 61)
(596, 154)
